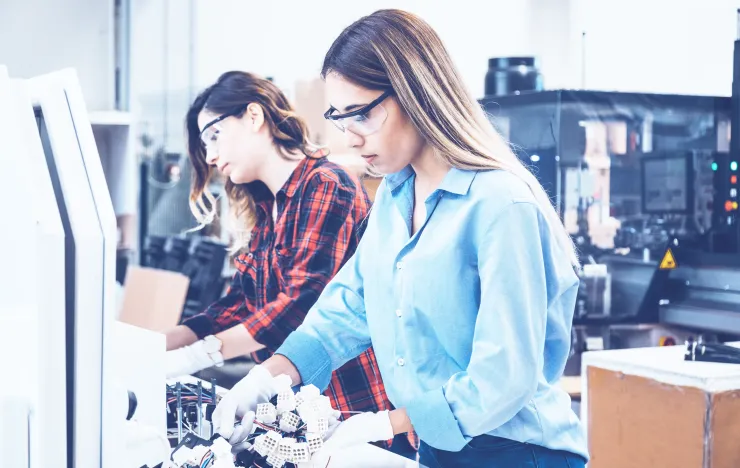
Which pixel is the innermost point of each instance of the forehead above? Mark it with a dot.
(342, 92)
(205, 117)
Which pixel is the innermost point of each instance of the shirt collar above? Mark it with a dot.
(456, 181)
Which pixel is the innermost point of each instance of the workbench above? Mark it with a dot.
(140, 359)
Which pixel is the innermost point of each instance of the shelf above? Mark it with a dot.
(110, 118)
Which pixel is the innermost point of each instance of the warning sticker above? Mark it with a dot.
(668, 262)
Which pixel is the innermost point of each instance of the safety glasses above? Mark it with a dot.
(210, 132)
(363, 121)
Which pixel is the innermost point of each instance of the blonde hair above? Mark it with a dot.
(231, 94)
(380, 51)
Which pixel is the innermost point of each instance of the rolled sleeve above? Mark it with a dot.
(434, 421)
(309, 356)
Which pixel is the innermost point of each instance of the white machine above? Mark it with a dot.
(58, 274)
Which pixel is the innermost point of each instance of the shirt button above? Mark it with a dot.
(399, 265)
(398, 313)
(401, 362)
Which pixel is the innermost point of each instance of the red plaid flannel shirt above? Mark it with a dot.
(321, 210)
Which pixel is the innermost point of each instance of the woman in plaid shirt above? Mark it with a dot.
(297, 218)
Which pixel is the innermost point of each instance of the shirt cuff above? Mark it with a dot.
(201, 325)
(433, 421)
(310, 358)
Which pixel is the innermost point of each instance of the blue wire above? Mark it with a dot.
(208, 460)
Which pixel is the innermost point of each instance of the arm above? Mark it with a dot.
(335, 329)
(325, 233)
(508, 349)
(221, 318)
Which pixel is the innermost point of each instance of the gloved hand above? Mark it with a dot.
(187, 360)
(259, 386)
(359, 429)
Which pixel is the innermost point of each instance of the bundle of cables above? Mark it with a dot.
(285, 433)
(288, 430)
(711, 352)
(189, 406)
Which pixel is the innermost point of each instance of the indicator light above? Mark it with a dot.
(733, 179)
(728, 205)
(733, 165)
(714, 166)
(734, 205)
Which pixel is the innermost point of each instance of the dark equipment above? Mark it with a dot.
(628, 173)
(512, 75)
(200, 259)
(711, 352)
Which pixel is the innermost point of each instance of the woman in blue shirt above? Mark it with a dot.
(464, 281)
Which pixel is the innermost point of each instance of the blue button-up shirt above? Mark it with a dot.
(470, 317)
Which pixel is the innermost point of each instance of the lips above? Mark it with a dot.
(369, 157)
(221, 168)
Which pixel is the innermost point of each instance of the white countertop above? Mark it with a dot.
(667, 365)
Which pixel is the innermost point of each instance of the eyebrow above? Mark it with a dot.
(352, 107)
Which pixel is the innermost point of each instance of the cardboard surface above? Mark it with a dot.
(725, 430)
(153, 299)
(636, 422)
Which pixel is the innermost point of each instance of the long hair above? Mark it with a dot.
(393, 49)
(232, 93)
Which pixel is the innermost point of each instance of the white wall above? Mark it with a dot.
(288, 39)
(660, 46)
(40, 36)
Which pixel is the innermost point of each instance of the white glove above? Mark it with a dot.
(359, 429)
(259, 386)
(188, 360)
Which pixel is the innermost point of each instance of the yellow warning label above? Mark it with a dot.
(668, 262)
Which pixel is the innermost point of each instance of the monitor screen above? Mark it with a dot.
(667, 185)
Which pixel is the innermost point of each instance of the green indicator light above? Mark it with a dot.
(714, 166)
(733, 165)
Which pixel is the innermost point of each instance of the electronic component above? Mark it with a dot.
(189, 409)
(280, 437)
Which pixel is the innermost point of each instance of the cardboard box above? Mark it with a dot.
(648, 408)
(153, 299)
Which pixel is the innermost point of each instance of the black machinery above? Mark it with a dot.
(647, 185)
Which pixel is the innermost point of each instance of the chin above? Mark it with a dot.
(238, 180)
(387, 168)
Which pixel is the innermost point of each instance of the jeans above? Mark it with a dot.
(402, 447)
(494, 452)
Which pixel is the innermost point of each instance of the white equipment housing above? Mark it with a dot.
(59, 305)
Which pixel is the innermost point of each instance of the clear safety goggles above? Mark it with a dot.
(363, 121)
(210, 132)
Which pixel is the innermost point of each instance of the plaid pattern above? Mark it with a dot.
(321, 210)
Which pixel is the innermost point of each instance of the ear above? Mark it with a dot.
(255, 117)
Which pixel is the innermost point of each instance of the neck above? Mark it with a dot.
(278, 170)
(430, 170)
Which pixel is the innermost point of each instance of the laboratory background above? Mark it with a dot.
(626, 112)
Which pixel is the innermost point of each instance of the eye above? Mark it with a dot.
(213, 136)
(360, 118)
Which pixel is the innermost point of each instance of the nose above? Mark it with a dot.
(211, 157)
(354, 140)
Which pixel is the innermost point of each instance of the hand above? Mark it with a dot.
(187, 360)
(259, 386)
(359, 429)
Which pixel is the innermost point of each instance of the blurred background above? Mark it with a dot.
(141, 62)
